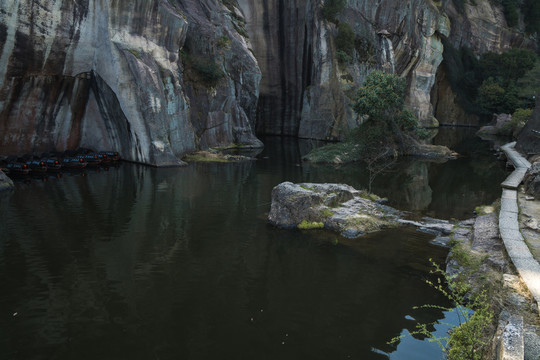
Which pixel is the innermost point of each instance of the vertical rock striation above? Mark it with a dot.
(155, 79)
(108, 74)
(306, 92)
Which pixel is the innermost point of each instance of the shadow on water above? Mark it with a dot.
(145, 263)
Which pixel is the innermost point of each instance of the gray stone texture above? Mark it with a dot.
(119, 74)
(339, 207)
(5, 182)
(527, 267)
(512, 344)
(531, 181)
(110, 75)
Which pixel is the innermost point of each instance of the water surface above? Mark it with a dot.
(144, 263)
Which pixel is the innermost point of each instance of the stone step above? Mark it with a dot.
(515, 157)
(532, 342)
(514, 179)
(512, 345)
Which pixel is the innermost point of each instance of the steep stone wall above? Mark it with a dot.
(305, 92)
(107, 74)
(122, 74)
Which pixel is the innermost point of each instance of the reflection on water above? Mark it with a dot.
(144, 263)
(441, 189)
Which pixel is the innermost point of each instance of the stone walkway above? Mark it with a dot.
(526, 265)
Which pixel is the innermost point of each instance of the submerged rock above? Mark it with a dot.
(215, 156)
(338, 207)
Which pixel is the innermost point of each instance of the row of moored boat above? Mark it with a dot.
(55, 161)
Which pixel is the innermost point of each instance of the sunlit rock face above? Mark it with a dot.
(109, 75)
(482, 27)
(306, 92)
(126, 75)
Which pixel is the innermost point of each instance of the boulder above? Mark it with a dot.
(5, 182)
(497, 125)
(338, 207)
(531, 181)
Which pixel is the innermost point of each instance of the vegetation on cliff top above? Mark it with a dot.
(490, 84)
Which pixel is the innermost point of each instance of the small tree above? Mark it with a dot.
(390, 127)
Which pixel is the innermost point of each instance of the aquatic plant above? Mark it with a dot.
(468, 339)
(310, 225)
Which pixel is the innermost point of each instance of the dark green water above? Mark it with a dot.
(144, 263)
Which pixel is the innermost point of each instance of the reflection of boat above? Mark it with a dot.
(37, 166)
(536, 133)
(52, 164)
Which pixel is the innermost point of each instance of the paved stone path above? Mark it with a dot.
(527, 267)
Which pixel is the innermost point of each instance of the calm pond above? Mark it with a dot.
(144, 263)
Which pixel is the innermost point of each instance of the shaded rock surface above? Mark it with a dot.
(339, 207)
(109, 75)
(531, 181)
(305, 91)
(528, 141)
(486, 240)
(5, 182)
(496, 126)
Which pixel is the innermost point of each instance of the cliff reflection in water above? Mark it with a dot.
(437, 188)
(145, 263)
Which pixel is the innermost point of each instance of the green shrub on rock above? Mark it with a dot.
(332, 8)
(345, 39)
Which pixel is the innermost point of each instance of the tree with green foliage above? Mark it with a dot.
(382, 100)
(519, 119)
(389, 128)
(332, 8)
(531, 11)
(500, 72)
(509, 66)
(511, 12)
(495, 97)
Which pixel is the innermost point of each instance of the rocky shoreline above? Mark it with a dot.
(5, 182)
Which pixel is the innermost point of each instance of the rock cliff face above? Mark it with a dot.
(108, 75)
(306, 92)
(155, 79)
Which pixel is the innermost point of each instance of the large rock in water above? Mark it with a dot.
(337, 207)
(5, 182)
